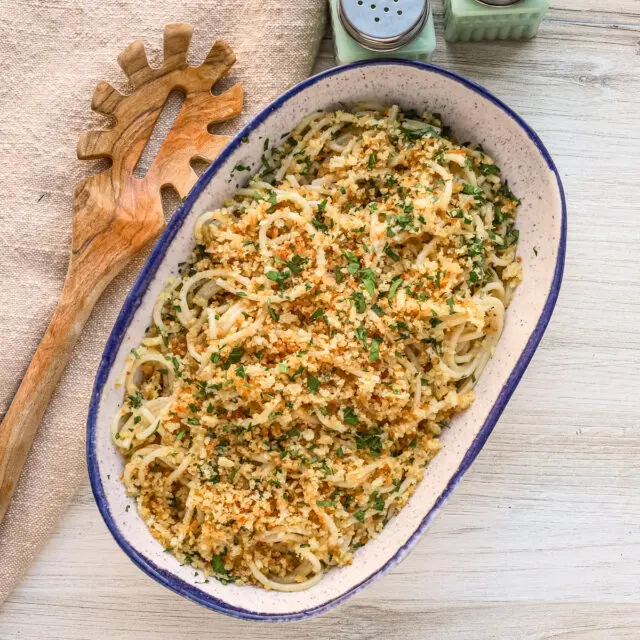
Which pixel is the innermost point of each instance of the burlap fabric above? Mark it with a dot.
(53, 53)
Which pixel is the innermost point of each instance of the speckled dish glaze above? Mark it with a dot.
(474, 114)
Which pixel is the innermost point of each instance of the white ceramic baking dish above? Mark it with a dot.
(474, 114)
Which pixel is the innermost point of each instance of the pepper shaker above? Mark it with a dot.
(365, 29)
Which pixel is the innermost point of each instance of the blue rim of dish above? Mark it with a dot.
(134, 299)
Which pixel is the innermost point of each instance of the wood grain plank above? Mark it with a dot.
(113, 600)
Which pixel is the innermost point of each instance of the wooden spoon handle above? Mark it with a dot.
(19, 426)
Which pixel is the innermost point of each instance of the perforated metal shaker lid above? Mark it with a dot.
(383, 25)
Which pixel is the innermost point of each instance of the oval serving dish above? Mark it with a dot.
(473, 114)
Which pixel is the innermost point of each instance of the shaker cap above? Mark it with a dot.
(383, 25)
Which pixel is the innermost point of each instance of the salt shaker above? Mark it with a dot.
(366, 29)
(492, 19)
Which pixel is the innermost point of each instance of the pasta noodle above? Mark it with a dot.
(332, 318)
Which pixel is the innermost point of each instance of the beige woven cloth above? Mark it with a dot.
(53, 54)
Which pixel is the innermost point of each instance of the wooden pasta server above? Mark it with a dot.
(115, 214)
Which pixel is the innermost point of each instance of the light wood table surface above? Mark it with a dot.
(542, 537)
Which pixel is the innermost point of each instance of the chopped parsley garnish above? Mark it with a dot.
(393, 290)
(374, 349)
(234, 357)
(136, 400)
(176, 367)
(391, 253)
(218, 565)
(511, 237)
(370, 440)
(313, 384)
(403, 220)
(507, 193)
(272, 199)
(279, 277)
(359, 515)
(181, 434)
(325, 503)
(297, 372)
(361, 334)
(378, 501)
(368, 279)
(470, 190)
(419, 132)
(476, 248)
(372, 161)
(318, 313)
(350, 256)
(307, 161)
(403, 329)
(297, 263)
(350, 416)
(450, 303)
(319, 223)
(489, 169)
(359, 301)
(272, 312)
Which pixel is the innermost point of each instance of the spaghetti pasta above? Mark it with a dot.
(331, 319)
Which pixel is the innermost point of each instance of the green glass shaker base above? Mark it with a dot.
(348, 50)
(466, 20)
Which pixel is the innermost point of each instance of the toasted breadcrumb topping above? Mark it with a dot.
(332, 318)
